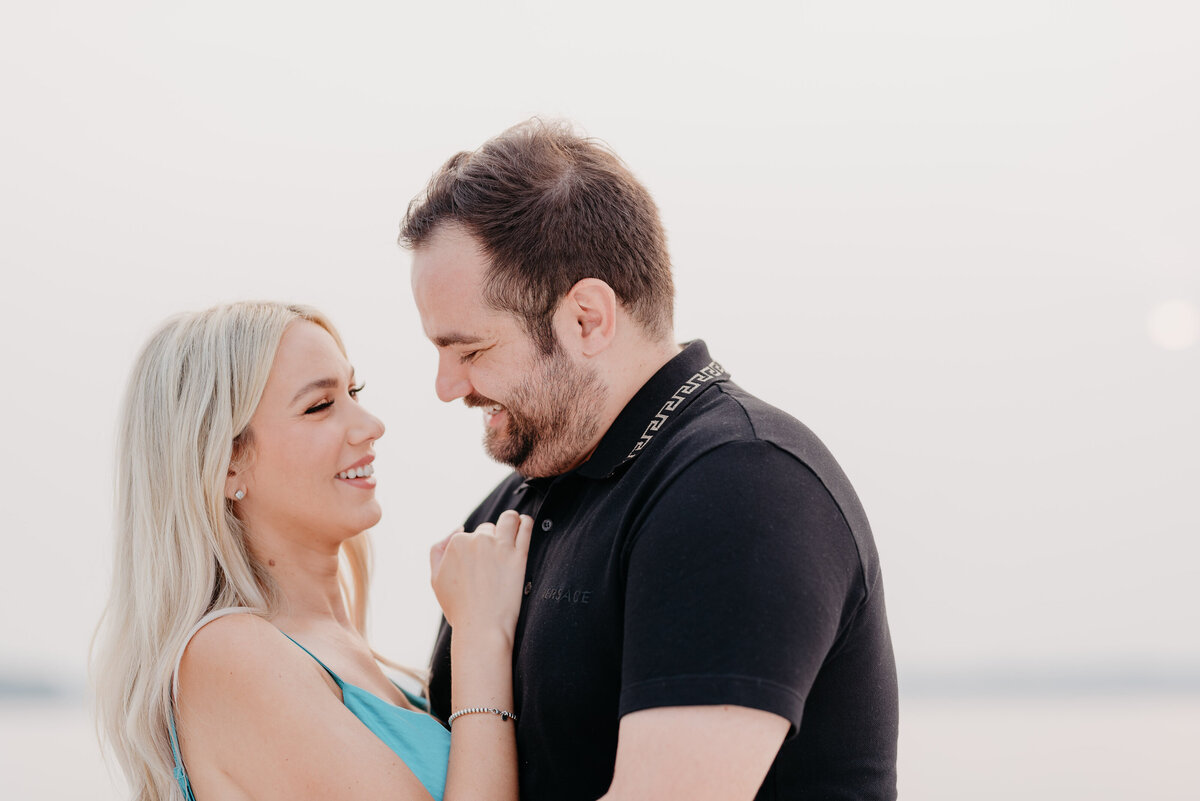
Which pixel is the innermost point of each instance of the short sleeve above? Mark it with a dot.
(740, 577)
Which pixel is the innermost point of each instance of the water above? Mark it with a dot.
(1099, 748)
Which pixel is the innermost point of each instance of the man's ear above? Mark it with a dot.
(588, 316)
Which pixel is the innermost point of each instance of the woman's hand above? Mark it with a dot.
(478, 577)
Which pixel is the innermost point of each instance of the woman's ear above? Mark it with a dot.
(235, 485)
(589, 311)
(235, 488)
(237, 477)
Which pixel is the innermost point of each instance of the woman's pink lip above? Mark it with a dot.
(364, 483)
(370, 457)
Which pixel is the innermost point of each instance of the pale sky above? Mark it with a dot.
(959, 242)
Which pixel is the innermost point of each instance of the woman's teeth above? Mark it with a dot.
(358, 472)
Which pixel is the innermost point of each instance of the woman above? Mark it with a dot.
(232, 662)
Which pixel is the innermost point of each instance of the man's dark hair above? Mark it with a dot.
(551, 208)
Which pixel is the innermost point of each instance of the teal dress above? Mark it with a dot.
(416, 737)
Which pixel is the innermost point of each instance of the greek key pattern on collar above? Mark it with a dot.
(713, 370)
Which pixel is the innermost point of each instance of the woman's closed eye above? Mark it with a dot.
(325, 403)
(318, 407)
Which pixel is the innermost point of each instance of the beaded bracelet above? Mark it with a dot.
(504, 715)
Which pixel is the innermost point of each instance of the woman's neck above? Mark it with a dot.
(306, 574)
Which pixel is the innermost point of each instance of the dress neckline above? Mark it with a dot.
(343, 684)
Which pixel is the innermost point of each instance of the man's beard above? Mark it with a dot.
(553, 416)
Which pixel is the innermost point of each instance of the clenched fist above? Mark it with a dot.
(478, 576)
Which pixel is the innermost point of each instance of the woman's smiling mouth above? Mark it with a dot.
(358, 472)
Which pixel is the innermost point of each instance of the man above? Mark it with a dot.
(703, 613)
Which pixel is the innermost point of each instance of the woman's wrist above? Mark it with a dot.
(482, 675)
(481, 639)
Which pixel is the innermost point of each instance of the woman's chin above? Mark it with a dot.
(372, 514)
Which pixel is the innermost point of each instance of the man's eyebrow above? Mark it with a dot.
(456, 339)
(320, 383)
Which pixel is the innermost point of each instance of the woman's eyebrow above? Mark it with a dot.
(320, 383)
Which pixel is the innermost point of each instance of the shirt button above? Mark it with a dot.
(547, 525)
(528, 587)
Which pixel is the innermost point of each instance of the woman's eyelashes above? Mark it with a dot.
(327, 402)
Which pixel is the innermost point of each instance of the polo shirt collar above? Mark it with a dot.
(661, 398)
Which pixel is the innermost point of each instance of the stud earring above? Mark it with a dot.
(237, 496)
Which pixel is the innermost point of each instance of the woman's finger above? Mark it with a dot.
(524, 534)
(437, 553)
(507, 526)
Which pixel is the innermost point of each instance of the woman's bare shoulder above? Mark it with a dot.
(231, 640)
(244, 629)
(242, 657)
(261, 719)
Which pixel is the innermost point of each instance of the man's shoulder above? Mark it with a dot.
(729, 415)
(728, 419)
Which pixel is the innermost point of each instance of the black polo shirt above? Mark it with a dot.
(711, 551)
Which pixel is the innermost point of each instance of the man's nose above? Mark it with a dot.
(452, 382)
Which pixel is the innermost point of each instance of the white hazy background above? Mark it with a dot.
(958, 240)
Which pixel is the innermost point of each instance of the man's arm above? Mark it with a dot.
(695, 753)
(739, 578)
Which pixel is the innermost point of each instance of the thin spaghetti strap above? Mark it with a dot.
(336, 678)
(181, 777)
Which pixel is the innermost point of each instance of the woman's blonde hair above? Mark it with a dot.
(181, 550)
